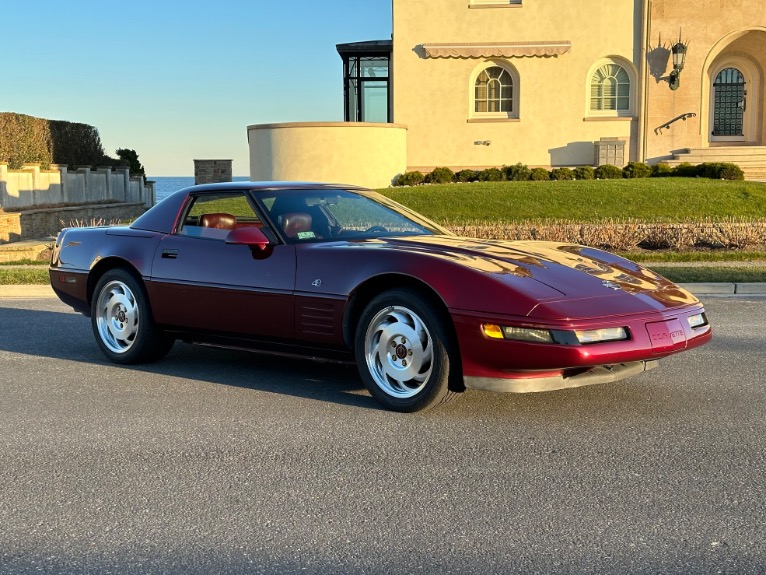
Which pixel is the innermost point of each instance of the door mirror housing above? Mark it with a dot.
(248, 236)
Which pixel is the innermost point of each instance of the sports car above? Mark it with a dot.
(340, 273)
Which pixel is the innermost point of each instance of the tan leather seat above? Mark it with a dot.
(296, 222)
(219, 221)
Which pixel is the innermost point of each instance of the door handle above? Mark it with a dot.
(170, 254)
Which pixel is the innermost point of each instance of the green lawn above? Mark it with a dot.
(662, 256)
(21, 276)
(24, 262)
(648, 200)
(713, 274)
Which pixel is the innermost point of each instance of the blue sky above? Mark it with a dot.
(178, 81)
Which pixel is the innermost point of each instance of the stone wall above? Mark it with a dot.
(212, 171)
(44, 223)
(37, 201)
(32, 187)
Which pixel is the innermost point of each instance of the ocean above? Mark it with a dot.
(166, 185)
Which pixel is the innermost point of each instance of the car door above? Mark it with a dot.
(201, 283)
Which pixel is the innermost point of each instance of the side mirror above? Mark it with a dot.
(248, 236)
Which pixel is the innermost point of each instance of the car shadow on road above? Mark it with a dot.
(64, 335)
(68, 336)
(321, 381)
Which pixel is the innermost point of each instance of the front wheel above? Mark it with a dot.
(403, 352)
(122, 321)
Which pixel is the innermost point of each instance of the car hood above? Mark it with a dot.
(589, 281)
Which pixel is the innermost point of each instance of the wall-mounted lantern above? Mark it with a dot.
(679, 58)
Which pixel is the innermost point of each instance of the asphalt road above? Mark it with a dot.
(222, 462)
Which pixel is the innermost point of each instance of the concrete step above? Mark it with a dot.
(726, 150)
(752, 172)
(742, 163)
(752, 159)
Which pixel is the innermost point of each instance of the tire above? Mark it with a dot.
(122, 320)
(403, 352)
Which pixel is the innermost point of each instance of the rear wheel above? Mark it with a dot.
(122, 321)
(403, 352)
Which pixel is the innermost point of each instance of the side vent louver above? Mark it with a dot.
(316, 319)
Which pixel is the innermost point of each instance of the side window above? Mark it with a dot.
(495, 93)
(213, 216)
(610, 90)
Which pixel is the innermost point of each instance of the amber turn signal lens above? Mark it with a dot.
(492, 330)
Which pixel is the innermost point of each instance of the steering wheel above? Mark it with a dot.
(375, 229)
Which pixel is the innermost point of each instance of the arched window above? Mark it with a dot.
(610, 89)
(494, 92)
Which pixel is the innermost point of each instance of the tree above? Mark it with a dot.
(130, 156)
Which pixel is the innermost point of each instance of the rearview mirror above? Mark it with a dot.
(248, 236)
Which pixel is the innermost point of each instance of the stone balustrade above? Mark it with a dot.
(32, 187)
(36, 203)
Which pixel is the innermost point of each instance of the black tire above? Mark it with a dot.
(404, 353)
(122, 321)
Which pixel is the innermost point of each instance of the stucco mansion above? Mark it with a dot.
(480, 83)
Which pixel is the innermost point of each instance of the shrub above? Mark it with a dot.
(562, 174)
(721, 171)
(608, 172)
(491, 175)
(661, 170)
(409, 179)
(710, 170)
(539, 175)
(686, 170)
(584, 173)
(440, 176)
(467, 176)
(636, 170)
(731, 172)
(517, 173)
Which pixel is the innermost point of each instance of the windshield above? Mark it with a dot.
(329, 215)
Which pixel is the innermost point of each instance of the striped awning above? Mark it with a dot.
(498, 49)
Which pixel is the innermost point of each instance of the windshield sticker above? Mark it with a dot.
(305, 235)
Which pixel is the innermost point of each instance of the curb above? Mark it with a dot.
(698, 289)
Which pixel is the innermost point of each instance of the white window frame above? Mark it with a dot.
(631, 73)
(515, 92)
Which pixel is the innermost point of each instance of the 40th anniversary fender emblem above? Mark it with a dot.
(610, 285)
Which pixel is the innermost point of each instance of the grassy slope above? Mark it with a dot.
(651, 200)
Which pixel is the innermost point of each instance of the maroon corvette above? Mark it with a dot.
(342, 273)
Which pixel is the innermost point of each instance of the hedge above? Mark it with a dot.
(521, 172)
(26, 139)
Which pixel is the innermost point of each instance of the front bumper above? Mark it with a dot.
(504, 364)
(592, 376)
